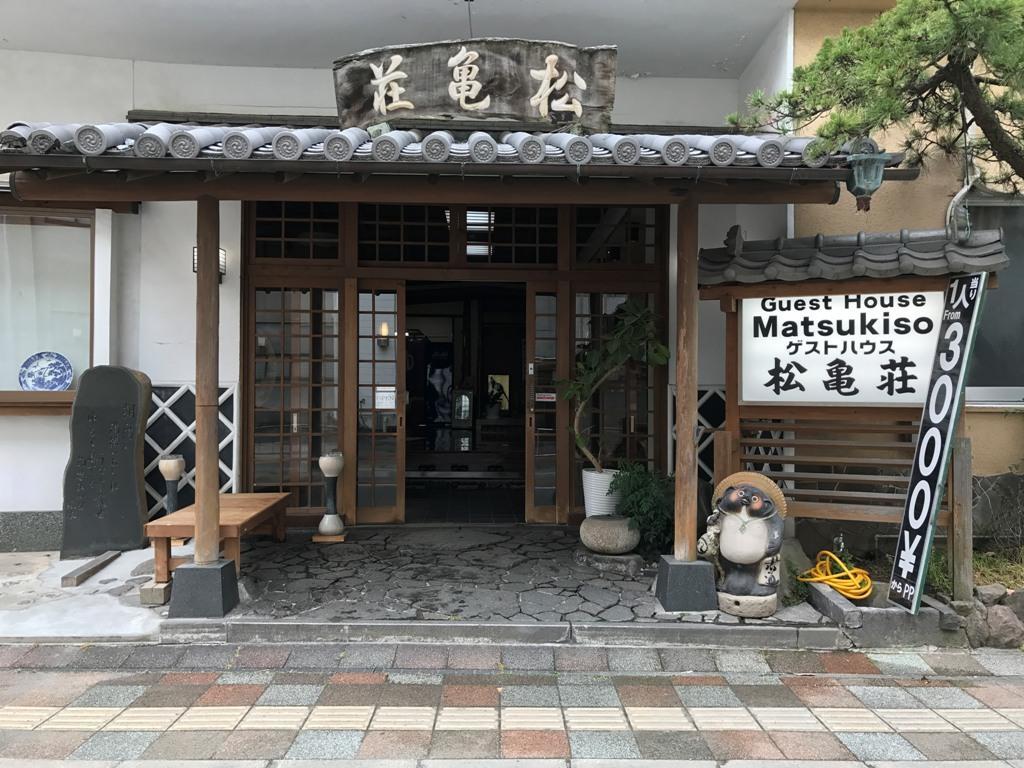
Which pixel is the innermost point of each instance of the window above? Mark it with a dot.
(997, 369)
(512, 236)
(403, 233)
(45, 290)
(616, 235)
(293, 230)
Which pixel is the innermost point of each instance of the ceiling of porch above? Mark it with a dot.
(658, 38)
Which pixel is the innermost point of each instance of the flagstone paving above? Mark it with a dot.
(519, 574)
(435, 702)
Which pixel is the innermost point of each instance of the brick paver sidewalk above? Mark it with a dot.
(415, 702)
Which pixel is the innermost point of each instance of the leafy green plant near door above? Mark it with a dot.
(647, 499)
(633, 337)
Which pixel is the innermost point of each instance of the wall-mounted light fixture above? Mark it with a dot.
(222, 258)
(384, 335)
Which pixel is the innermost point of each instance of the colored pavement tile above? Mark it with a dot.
(40, 745)
(527, 658)
(648, 696)
(10, 654)
(687, 660)
(261, 657)
(208, 657)
(607, 745)
(793, 662)
(170, 696)
(101, 657)
(246, 677)
(154, 657)
(465, 745)
(254, 745)
(847, 663)
(115, 745)
(766, 696)
(634, 660)
(321, 656)
(530, 696)
(190, 678)
(707, 696)
(534, 744)
(994, 695)
(810, 746)
(290, 695)
(672, 745)
(230, 695)
(350, 695)
(581, 660)
(741, 661)
(948, 746)
(469, 696)
(473, 657)
(421, 657)
(109, 696)
(945, 698)
(883, 697)
(410, 695)
(954, 664)
(900, 664)
(48, 657)
(587, 696)
(879, 746)
(826, 696)
(741, 745)
(408, 745)
(325, 745)
(185, 745)
(372, 657)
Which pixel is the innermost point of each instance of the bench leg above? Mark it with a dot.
(233, 551)
(161, 560)
(280, 527)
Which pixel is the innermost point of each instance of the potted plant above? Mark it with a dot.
(633, 337)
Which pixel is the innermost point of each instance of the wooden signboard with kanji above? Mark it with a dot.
(483, 78)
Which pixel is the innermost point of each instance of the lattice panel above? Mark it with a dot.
(710, 416)
(171, 428)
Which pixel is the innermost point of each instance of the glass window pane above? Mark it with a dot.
(46, 263)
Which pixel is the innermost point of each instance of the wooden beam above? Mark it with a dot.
(207, 525)
(685, 547)
(556, 189)
(88, 569)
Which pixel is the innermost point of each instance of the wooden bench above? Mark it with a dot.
(240, 514)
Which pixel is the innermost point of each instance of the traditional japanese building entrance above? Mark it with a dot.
(336, 356)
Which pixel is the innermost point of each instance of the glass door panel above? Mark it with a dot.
(542, 431)
(380, 476)
(295, 414)
(620, 422)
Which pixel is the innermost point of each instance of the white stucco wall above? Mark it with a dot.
(33, 453)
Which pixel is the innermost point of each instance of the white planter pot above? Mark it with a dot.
(331, 525)
(596, 499)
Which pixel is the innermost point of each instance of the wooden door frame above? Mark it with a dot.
(347, 275)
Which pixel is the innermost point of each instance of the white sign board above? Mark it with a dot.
(384, 398)
(857, 349)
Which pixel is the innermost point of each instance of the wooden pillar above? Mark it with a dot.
(207, 351)
(961, 525)
(687, 298)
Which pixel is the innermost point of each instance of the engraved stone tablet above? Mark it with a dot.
(104, 497)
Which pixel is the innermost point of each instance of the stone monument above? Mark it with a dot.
(104, 496)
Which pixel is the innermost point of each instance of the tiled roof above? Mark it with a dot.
(840, 257)
(242, 142)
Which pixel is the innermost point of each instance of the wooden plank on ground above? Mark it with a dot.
(89, 569)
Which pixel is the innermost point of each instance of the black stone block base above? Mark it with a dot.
(203, 591)
(685, 585)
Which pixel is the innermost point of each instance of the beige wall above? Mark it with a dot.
(919, 204)
(997, 440)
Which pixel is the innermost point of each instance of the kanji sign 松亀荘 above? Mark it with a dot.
(856, 349)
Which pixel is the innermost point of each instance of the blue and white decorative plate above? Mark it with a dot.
(45, 372)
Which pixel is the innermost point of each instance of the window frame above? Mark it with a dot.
(25, 403)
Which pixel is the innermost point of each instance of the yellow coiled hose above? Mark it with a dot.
(852, 583)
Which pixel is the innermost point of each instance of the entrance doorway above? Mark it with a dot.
(465, 379)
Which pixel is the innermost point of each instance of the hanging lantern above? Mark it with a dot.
(867, 177)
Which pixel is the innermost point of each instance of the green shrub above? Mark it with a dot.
(647, 499)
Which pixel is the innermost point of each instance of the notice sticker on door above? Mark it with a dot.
(385, 398)
(546, 397)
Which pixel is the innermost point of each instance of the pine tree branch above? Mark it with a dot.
(1000, 140)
